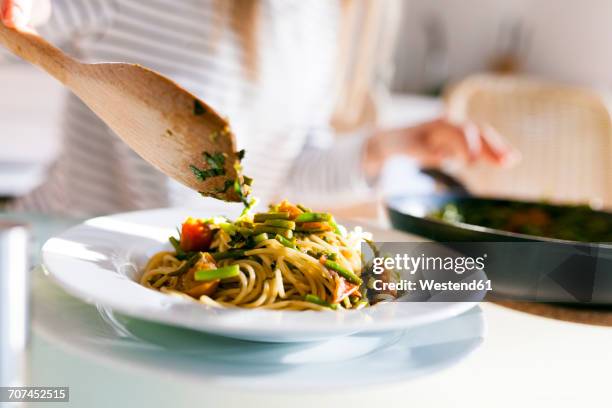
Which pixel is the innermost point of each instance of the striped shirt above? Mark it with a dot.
(281, 119)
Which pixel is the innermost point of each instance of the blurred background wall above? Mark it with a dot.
(567, 40)
(30, 106)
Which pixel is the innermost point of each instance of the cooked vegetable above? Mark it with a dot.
(317, 301)
(231, 254)
(196, 235)
(219, 273)
(188, 284)
(266, 261)
(345, 273)
(276, 215)
(187, 265)
(286, 242)
(260, 238)
(292, 209)
(304, 209)
(313, 227)
(313, 217)
(280, 223)
(573, 223)
(334, 225)
(259, 228)
(176, 244)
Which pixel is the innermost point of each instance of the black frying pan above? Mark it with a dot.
(537, 269)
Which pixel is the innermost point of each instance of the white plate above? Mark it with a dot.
(196, 360)
(100, 260)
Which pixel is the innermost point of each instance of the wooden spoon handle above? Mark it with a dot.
(34, 49)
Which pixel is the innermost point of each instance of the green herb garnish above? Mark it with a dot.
(216, 167)
(202, 174)
(215, 161)
(226, 186)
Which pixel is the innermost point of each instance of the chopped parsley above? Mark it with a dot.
(216, 167)
(215, 161)
(226, 186)
(203, 174)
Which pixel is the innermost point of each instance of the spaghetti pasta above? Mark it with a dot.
(287, 258)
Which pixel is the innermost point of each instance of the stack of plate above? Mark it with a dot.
(110, 316)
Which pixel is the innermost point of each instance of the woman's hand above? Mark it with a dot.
(437, 142)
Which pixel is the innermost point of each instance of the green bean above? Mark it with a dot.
(261, 217)
(310, 230)
(231, 254)
(346, 302)
(280, 224)
(305, 209)
(228, 227)
(245, 231)
(259, 228)
(286, 242)
(334, 225)
(332, 256)
(318, 301)
(354, 299)
(187, 265)
(180, 253)
(260, 238)
(313, 217)
(219, 273)
(342, 271)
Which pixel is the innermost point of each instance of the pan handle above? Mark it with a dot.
(454, 185)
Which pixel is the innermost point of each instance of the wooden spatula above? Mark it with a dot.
(166, 125)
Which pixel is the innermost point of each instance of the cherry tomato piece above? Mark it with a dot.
(196, 235)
